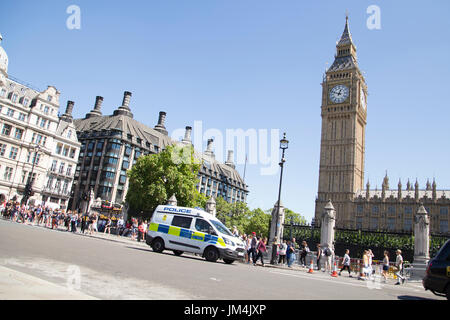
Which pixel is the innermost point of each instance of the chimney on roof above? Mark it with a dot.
(67, 116)
(187, 136)
(209, 151)
(96, 112)
(124, 109)
(229, 161)
(160, 126)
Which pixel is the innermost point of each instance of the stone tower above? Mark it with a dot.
(342, 148)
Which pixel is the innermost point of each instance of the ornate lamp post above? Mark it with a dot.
(29, 185)
(284, 143)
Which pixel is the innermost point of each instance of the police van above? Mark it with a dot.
(182, 229)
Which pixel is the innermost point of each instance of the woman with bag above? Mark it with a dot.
(282, 251)
(260, 251)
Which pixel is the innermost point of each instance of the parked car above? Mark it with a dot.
(437, 277)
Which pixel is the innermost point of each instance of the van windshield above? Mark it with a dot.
(221, 227)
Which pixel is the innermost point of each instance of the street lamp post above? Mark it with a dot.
(283, 146)
(29, 185)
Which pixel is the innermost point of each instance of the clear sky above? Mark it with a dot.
(252, 65)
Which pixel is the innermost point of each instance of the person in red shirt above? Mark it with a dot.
(260, 251)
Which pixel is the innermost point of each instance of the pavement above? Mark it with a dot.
(17, 285)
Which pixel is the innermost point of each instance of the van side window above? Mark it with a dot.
(202, 226)
(182, 222)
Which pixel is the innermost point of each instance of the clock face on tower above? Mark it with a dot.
(339, 93)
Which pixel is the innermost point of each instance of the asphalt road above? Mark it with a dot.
(116, 270)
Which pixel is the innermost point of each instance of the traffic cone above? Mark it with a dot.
(311, 267)
(334, 274)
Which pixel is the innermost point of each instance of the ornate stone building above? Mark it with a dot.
(342, 156)
(36, 144)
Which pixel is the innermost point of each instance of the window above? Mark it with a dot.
(443, 226)
(66, 151)
(46, 109)
(36, 158)
(391, 224)
(125, 164)
(443, 212)
(407, 224)
(61, 167)
(408, 210)
(18, 134)
(3, 93)
(43, 123)
(182, 222)
(358, 222)
(69, 170)
(69, 134)
(58, 149)
(374, 223)
(54, 165)
(391, 210)
(2, 149)
(10, 112)
(13, 153)
(123, 179)
(22, 116)
(49, 98)
(72, 153)
(14, 97)
(25, 101)
(375, 209)
(8, 174)
(202, 226)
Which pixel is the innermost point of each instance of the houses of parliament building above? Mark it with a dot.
(342, 155)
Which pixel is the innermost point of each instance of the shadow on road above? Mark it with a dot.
(413, 298)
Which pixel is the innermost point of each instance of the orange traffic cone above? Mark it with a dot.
(334, 274)
(311, 267)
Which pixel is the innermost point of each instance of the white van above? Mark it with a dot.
(193, 230)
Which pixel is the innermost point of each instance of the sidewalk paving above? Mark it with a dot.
(15, 285)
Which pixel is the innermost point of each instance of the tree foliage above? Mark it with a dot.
(155, 178)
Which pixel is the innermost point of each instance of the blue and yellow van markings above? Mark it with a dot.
(186, 233)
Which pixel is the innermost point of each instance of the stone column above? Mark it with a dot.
(172, 201)
(211, 206)
(328, 221)
(421, 244)
(276, 224)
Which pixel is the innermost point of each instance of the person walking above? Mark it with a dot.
(328, 255)
(370, 270)
(385, 265)
(290, 253)
(260, 251)
(399, 266)
(304, 253)
(346, 263)
(253, 245)
(73, 222)
(107, 227)
(319, 256)
(365, 261)
(282, 251)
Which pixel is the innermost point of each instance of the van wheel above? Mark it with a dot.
(177, 252)
(158, 245)
(211, 254)
(228, 261)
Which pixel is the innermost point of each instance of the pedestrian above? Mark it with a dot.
(365, 265)
(140, 231)
(120, 224)
(73, 222)
(346, 263)
(304, 253)
(253, 245)
(235, 231)
(260, 251)
(318, 256)
(283, 248)
(290, 253)
(107, 227)
(370, 256)
(399, 267)
(385, 265)
(328, 255)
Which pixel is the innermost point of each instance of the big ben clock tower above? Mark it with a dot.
(344, 114)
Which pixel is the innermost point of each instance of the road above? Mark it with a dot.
(104, 269)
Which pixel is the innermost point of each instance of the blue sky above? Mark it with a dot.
(251, 64)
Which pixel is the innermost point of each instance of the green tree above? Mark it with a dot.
(233, 214)
(297, 218)
(155, 178)
(258, 222)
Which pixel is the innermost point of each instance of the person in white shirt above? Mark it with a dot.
(235, 231)
(399, 265)
(370, 268)
(346, 263)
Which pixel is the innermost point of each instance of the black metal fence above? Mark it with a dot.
(358, 240)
